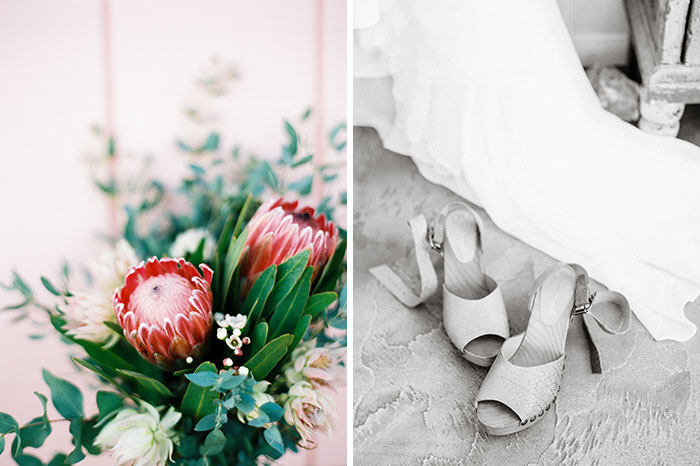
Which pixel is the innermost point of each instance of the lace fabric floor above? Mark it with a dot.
(413, 393)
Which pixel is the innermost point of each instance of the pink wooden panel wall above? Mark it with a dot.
(54, 85)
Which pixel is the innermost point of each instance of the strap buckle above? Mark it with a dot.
(434, 244)
(583, 308)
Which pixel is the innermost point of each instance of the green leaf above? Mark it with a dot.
(337, 142)
(32, 436)
(76, 430)
(214, 443)
(288, 273)
(101, 373)
(302, 161)
(300, 331)
(208, 422)
(7, 424)
(58, 460)
(302, 186)
(107, 403)
(267, 358)
(274, 439)
(257, 296)
(90, 432)
(2, 444)
(184, 146)
(151, 385)
(232, 382)
(318, 303)
(243, 214)
(293, 145)
(225, 237)
(43, 401)
(105, 357)
(284, 319)
(114, 326)
(199, 401)
(233, 256)
(65, 396)
(211, 143)
(333, 270)
(203, 379)
(246, 403)
(28, 460)
(273, 411)
(49, 286)
(258, 338)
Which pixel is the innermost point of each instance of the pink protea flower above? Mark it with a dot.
(279, 230)
(164, 308)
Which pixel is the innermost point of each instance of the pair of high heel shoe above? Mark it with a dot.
(526, 370)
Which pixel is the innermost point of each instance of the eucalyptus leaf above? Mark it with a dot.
(33, 435)
(7, 424)
(107, 403)
(302, 186)
(65, 396)
(232, 382)
(274, 439)
(272, 410)
(49, 286)
(76, 430)
(28, 460)
(293, 144)
(58, 460)
(203, 379)
(245, 403)
(198, 401)
(214, 443)
(208, 422)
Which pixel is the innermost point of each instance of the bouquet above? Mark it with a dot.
(216, 335)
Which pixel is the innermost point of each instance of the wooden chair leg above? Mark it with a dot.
(658, 116)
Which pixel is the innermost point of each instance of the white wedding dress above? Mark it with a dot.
(490, 100)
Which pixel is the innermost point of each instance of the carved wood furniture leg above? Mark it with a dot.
(659, 116)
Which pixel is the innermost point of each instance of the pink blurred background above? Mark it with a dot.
(72, 64)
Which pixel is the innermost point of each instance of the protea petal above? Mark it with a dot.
(280, 230)
(164, 308)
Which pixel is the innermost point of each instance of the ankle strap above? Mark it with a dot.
(428, 277)
(436, 231)
(585, 304)
(424, 238)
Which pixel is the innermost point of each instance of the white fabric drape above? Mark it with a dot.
(490, 100)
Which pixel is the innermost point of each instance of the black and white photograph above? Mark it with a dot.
(526, 232)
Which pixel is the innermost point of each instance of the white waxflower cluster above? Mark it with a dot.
(230, 328)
